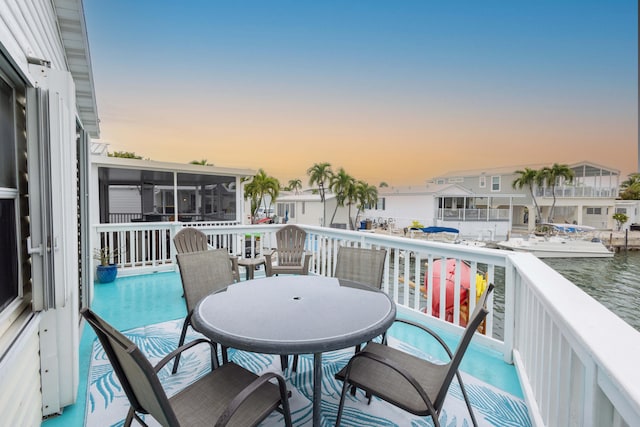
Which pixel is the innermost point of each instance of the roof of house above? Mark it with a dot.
(429, 188)
(134, 170)
(73, 32)
(304, 196)
(591, 169)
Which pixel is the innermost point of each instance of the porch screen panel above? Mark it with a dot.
(206, 197)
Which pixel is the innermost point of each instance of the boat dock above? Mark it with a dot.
(620, 241)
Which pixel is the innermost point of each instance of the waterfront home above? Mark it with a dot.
(477, 215)
(307, 208)
(588, 200)
(576, 362)
(483, 204)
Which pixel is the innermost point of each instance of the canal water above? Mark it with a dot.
(614, 282)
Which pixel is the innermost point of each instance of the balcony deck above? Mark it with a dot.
(575, 360)
(136, 301)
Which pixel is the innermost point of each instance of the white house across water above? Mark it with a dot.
(483, 204)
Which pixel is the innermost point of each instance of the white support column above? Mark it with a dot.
(175, 196)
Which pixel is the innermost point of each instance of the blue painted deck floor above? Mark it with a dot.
(150, 309)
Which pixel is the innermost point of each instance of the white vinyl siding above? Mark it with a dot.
(20, 376)
(123, 199)
(31, 28)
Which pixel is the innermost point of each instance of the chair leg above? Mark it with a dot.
(294, 368)
(214, 357)
(225, 356)
(129, 419)
(341, 405)
(466, 400)
(131, 415)
(284, 362)
(183, 336)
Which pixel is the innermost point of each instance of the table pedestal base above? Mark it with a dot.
(317, 388)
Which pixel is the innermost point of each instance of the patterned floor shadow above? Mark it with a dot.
(108, 405)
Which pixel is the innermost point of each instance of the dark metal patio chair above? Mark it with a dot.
(361, 265)
(202, 273)
(228, 395)
(409, 382)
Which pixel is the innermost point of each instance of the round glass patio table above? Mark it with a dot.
(295, 315)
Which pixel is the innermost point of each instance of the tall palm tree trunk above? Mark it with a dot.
(553, 205)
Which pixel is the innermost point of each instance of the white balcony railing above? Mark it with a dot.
(493, 214)
(576, 360)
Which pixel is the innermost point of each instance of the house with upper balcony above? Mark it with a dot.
(589, 199)
(553, 359)
(478, 215)
(483, 204)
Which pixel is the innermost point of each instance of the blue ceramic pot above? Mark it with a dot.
(106, 273)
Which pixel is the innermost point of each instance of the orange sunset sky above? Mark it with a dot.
(391, 91)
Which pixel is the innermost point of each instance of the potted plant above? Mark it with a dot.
(106, 272)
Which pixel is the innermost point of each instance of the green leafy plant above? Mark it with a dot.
(620, 219)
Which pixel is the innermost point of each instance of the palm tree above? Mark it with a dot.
(202, 162)
(340, 184)
(630, 188)
(251, 193)
(295, 185)
(632, 179)
(550, 176)
(124, 155)
(261, 186)
(367, 195)
(527, 178)
(351, 197)
(319, 174)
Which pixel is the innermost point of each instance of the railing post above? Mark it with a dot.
(511, 281)
(173, 230)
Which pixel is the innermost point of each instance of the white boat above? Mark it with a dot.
(557, 247)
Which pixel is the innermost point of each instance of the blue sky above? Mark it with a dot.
(392, 91)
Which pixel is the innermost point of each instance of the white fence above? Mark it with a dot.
(578, 362)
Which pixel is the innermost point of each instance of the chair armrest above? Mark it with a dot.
(430, 332)
(235, 403)
(268, 261)
(306, 259)
(268, 253)
(179, 350)
(235, 268)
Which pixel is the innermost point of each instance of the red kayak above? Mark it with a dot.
(465, 285)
